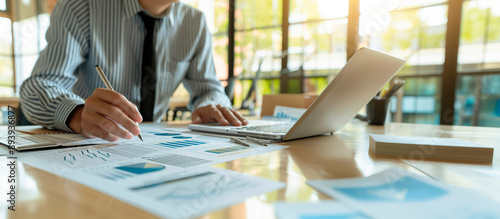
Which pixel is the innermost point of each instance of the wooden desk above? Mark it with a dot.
(9, 101)
(342, 155)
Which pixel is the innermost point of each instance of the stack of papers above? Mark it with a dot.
(432, 148)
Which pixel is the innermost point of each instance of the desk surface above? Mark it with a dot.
(9, 101)
(342, 155)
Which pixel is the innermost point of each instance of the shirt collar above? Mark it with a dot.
(132, 7)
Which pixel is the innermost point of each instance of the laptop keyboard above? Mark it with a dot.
(278, 128)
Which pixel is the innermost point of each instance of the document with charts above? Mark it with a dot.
(173, 148)
(484, 178)
(136, 168)
(397, 193)
(184, 194)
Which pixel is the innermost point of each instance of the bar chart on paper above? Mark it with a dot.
(166, 134)
(227, 150)
(181, 144)
(172, 140)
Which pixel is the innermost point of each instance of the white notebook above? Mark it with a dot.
(422, 148)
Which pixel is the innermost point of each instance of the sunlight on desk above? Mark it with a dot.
(342, 155)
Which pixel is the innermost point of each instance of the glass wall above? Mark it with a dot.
(317, 40)
(478, 83)
(6, 62)
(29, 36)
(3, 5)
(26, 38)
(480, 36)
(478, 100)
(316, 37)
(415, 31)
(257, 47)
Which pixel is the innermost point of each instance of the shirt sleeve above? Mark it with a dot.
(201, 80)
(46, 96)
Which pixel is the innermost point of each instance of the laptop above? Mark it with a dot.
(354, 86)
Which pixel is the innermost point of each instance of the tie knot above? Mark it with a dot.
(148, 21)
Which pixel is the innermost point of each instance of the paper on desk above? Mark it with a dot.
(188, 194)
(4, 150)
(397, 193)
(291, 113)
(115, 169)
(175, 150)
(324, 209)
(482, 178)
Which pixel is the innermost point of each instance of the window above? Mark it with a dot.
(317, 40)
(257, 46)
(3, 5)
(29, 38)
(480, 36)
(477, 100)
(25, 35)
(314, 36)
(414, 30)
(6, 62)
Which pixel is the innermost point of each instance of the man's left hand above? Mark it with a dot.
(220, 114)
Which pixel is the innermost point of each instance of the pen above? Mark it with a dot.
(394, 89)
(238, 141)
(382, 92)
(388, 89)
(109, 87)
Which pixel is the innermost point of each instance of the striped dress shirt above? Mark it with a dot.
(110, 33)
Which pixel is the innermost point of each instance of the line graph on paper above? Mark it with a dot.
(81, 157)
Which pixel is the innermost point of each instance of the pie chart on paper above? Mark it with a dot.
(141, 168)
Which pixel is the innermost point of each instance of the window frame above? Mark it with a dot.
(448, 74)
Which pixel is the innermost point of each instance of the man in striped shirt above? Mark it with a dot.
(113, 34)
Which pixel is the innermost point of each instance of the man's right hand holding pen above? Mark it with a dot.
(102, 112)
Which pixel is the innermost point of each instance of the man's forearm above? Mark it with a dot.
(74, 120)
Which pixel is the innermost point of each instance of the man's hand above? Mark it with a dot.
(101, 115)
(221, 114)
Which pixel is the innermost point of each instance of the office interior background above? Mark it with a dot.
(452, 49)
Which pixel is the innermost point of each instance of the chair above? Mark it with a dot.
(292, 81)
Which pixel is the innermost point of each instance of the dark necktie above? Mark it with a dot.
(148, 78)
